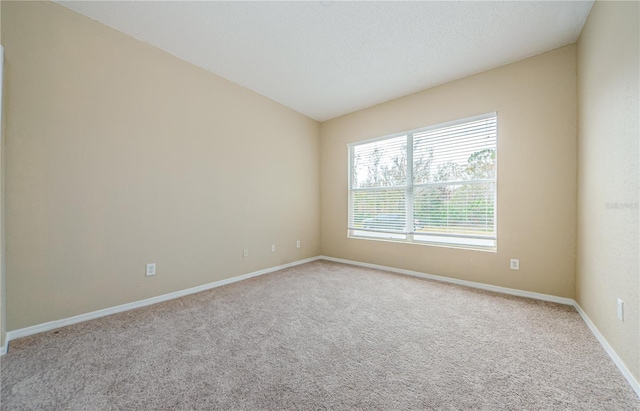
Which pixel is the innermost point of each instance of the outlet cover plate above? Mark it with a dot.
(620, 309)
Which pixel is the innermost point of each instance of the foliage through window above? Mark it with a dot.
(432, 185)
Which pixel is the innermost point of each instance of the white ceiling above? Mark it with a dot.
(328, 58)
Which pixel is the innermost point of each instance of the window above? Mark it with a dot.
(435, 185)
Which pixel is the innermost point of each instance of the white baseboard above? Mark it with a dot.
(482, 286)
(609, 350)
(23, 332)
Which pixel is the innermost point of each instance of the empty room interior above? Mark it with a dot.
(320, 205)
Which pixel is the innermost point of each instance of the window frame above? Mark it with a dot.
(408, 235)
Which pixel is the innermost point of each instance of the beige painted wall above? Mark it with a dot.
(608, 175)
(119, 154)
(536, 104)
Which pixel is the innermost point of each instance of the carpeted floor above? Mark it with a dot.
(321, 336)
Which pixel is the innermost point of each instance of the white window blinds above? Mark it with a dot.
(432, 185)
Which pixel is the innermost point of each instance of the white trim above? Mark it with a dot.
(23, 332)
(609, 350)
(482, 286)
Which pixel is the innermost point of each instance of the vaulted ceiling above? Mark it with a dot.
(328, 58)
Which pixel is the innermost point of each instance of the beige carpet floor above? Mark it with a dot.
(321, 336)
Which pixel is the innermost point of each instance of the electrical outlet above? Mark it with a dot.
(515, 264)
(273, 248)
(151, 269)
(245, 253)
(620, 307)
(298, 244)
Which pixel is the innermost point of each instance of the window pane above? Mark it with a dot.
(456, 153)
(380, 164)
(378, 210)
(466, 209)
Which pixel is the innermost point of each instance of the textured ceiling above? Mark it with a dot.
(325, 58)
